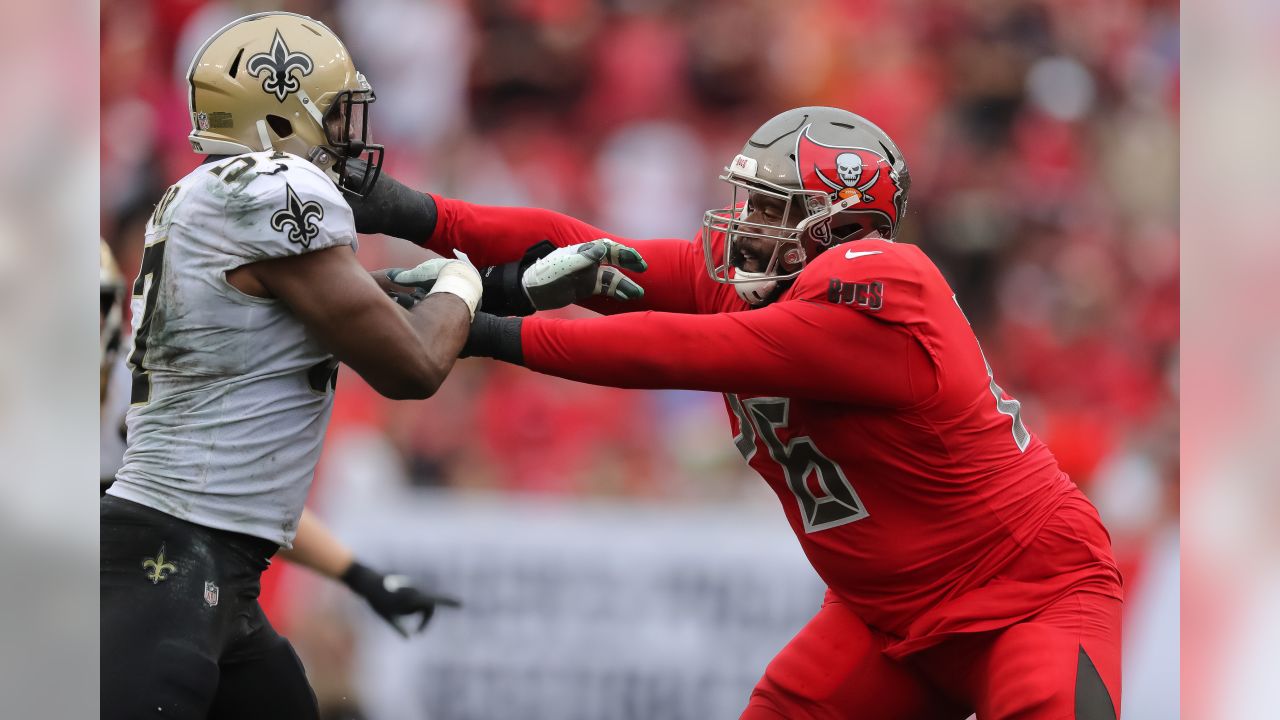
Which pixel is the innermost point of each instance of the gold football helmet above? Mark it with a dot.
(281, 81)
(111, 295)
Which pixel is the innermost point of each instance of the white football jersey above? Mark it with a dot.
(230, 395)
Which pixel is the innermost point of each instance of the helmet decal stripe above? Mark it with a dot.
(195, 59)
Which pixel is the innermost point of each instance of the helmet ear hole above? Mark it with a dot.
(848, 231)
(280, 126)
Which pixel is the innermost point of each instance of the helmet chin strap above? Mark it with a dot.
(759, 288)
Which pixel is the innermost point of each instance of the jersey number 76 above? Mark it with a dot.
(838, 504)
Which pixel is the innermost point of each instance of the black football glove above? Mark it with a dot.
(393, 597)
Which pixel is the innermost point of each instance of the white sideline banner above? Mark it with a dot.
(580, 610)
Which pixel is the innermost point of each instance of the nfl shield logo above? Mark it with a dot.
(210, 594)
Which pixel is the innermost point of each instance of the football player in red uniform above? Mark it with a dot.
(966, 571)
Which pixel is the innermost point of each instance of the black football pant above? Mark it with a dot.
(183, 635)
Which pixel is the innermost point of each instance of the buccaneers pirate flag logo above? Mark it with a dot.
(845, 171)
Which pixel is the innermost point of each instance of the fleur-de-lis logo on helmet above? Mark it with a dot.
(279, 65)
(300, 217)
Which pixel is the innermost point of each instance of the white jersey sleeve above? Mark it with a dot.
(271, 205)
(230, 395)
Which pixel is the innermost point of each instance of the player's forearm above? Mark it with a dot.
(638, 350)
(440, 322)
(796, 350)
(318, 549)
(500, 240)
(403, 355)
(395, 209)
(492, 235)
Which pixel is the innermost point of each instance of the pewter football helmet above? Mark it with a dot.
(809, 178)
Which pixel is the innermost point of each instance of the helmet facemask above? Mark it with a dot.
(348, 137)
(789, 225)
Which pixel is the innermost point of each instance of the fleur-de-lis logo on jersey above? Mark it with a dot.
(279, 65)
(158, 567)
(300, 217)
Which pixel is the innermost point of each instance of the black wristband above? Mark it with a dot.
(503, 285)
(391, 208)
(503, 294)
(495, 337)
(361, 579)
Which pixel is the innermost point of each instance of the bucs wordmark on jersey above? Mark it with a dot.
(230, 395)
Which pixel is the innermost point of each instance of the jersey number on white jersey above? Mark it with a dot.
(147, 286)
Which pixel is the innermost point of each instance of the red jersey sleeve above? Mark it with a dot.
(491, 235)
(796, 349)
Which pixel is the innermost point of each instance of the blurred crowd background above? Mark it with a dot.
(1042, 138)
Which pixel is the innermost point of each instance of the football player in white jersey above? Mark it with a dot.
(392, 597)
(248, 296)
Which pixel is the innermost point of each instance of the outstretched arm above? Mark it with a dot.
(316, 548)
(797, 349)
(488, 235)
(493, 237)
(391, 596)
(403, 355)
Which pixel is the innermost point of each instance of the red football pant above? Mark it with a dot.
(1060, 664)
(835, 667)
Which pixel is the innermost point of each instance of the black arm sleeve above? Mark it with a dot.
(495, 337)
(392, 208)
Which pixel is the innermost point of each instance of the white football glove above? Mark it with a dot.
(456, 277)
(576, 272)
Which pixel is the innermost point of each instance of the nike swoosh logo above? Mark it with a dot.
(851, 255)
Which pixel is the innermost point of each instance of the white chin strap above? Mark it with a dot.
(758, 288)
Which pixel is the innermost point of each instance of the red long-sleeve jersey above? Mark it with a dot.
(860, 395)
